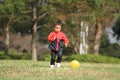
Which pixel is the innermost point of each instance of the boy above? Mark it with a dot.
(57, 37)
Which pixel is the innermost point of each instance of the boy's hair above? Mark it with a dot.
(57, 24)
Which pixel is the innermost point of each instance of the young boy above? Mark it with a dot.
(57, 38)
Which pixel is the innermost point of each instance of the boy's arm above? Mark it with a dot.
(51, 37)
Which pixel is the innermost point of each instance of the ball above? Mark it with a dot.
(74, 64)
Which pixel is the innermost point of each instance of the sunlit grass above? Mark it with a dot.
(29, 70)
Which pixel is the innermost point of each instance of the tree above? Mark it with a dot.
(33, 42)
(99, 12)
(9, 9)
(116, 28)
(70, 12)
(103, 13)
(36, 16)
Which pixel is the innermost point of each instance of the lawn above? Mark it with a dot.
(29, 70)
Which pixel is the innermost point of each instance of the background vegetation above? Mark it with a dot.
(25, 25)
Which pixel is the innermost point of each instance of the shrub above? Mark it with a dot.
(47, 57)
(43, 57)
(106, 48)
(2, 56)
(92, 58)
(83, 58)
(15, 55)
(25, 56)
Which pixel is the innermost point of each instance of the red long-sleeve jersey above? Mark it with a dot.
(59, 35)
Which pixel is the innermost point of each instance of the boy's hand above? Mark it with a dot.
(66, 45)
(54, 37)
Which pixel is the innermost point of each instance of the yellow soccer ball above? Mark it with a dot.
(75, 64)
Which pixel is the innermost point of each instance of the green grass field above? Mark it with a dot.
(29, 70)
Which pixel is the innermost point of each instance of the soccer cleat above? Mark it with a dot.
(58, 65)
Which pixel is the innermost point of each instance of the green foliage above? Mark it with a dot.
(64, 6)
(43, 57)
(116, 28)
(105, 41)
(43, 33)
(109, 49)
(10, 11)
(95, 4)
(73, 10)
(2, 56)
(71, 29)
(19, 56)
(46, 57)
(93, 58)
(84, 58)
(15, 56)
(5, 57)
(10, 7)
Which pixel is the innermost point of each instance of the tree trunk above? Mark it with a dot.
(98, 37)
(83, 38)
(33, 41)
(7, 37)
(76, 48)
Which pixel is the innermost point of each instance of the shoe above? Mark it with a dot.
(51, 66)
(58, 65)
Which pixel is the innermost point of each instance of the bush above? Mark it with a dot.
(25, 56)
(93, 58)
(83, 58)
(106, 48)
(15, 55)
(43, 57)
(4, 57)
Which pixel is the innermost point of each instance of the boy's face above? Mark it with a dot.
(57, 28)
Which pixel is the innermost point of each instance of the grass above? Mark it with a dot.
(29, 70)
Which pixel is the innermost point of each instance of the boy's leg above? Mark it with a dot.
(53, 56)
(59, 58)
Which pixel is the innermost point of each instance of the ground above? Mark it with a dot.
(29, 70)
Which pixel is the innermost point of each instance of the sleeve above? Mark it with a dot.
(51, 37)
(65, 38)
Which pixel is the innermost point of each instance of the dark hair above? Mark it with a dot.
(57, 24)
